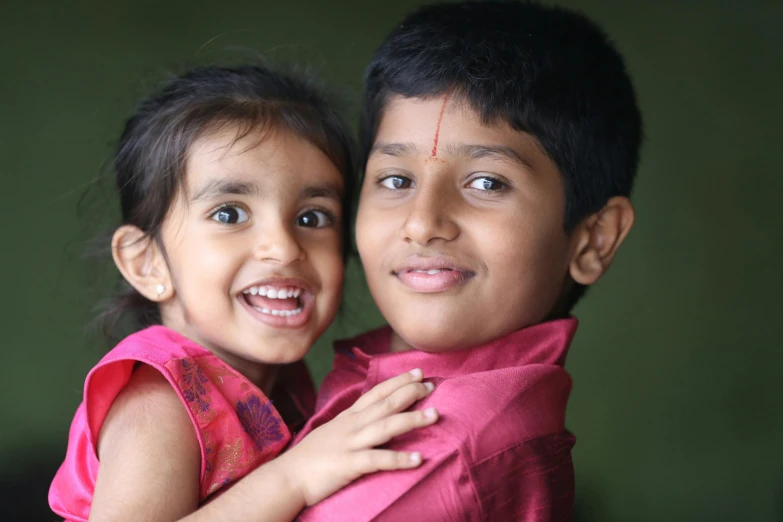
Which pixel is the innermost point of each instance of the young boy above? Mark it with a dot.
(501, 142)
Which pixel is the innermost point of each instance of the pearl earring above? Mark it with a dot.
(159, 289)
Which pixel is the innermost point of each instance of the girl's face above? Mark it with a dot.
(254, 249)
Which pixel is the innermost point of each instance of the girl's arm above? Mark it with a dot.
(150, 460)
(149, 468)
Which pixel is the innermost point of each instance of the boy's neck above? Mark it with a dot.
(398, 344)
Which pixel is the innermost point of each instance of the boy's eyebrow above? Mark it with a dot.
(224, 186)
(327, 190)
(395, 149)
(500, 152)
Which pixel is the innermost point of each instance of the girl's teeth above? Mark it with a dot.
(274, 293)
(281, 313)
(433, 272)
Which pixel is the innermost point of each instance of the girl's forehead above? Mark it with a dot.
(257, 162)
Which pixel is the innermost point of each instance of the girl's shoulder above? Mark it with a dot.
(154, 345)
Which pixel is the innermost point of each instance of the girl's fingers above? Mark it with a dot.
(383, 430)
(399, 400)
(386, 388)
(370, 461)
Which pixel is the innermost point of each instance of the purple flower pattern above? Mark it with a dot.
(259, 421)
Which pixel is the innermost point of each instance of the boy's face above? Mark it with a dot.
(460, 226)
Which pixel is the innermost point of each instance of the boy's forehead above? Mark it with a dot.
(436, 125)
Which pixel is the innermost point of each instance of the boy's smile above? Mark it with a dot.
(432, 274)
(463, 243)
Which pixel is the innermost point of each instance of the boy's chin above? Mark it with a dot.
(435, 340)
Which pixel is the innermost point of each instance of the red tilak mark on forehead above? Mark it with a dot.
(440, 119)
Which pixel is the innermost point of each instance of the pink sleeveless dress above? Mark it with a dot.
(237, 426)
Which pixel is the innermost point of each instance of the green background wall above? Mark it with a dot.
(677, 364)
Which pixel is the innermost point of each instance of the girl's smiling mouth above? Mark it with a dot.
(285, 303)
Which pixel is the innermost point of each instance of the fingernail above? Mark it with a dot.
(415, 458)
(416, 373)
(431, 413)
(429, 386)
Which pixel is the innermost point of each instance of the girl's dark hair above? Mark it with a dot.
(152, 152)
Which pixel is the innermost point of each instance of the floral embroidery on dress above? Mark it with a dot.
(196, 388)
(228, 462)
(259, 421)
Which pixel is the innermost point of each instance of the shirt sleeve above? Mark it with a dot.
(437, 491)
(530, 482)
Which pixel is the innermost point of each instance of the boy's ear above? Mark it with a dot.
(142, 263)
(597, 239)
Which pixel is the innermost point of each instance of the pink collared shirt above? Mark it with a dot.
(500, 450)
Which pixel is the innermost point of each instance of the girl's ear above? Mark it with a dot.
(597, 239)
(142, 263)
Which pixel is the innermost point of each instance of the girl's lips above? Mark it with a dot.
(294, 313)
(279, 302)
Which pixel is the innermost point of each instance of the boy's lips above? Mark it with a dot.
(281, 302)
(432, 274)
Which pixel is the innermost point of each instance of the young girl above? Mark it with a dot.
(234, 185)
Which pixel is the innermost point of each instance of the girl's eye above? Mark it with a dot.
(396, 182)
(314, 219)
(230, 215)
(487, 184)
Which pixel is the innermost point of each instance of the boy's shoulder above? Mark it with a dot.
(491, 411)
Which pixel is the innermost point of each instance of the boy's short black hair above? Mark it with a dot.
(543, 70)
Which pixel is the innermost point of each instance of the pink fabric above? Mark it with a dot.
(237, 427)
(500, 450)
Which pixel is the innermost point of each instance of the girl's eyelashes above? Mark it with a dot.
(229, 214)
(315, 218)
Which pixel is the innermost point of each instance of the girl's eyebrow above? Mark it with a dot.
(222, 186)
(328, 190)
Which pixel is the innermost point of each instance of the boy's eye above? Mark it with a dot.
(396, 182)
(230, 215)
(487, 184)
(314, 219)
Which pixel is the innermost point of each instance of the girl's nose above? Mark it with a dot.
(277, 244)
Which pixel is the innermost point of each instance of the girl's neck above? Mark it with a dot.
(263, 375)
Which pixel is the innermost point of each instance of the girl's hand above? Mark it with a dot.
(341, 450)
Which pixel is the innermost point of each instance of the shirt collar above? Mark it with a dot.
(544, 343)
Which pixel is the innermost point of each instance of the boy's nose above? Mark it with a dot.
(277, 244)
(430, 218)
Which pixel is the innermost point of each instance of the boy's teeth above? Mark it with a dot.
(272, 293)
(262, 291)
(429, 272)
